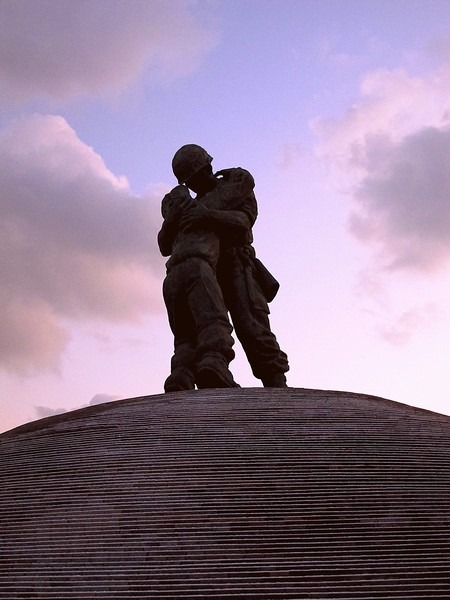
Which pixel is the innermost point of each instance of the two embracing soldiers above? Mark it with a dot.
(212, 272)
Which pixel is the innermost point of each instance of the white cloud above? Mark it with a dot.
(404, 203)
(45, 411)
(404, 327)
(65, 48)
(75, 244)
(392, 151)
(102, 398)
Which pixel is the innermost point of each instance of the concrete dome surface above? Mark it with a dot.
(237, 493)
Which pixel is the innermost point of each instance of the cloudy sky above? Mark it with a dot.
(341, 111)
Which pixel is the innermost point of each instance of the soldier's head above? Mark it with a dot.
(191, 165)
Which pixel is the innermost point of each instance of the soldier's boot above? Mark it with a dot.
(180, 379)
(213, 372)
(276, 379)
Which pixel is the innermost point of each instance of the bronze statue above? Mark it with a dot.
(213, 269)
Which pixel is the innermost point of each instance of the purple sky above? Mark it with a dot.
(341, 111)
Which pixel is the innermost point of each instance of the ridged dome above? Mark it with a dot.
(238, 493)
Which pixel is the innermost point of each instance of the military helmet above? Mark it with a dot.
(188, 160)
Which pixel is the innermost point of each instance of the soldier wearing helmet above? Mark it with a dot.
(189, 160)
(203, 344)
(226, 206)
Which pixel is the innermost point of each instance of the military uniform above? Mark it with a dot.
(247, 285)
(212, 270)
(198, 317)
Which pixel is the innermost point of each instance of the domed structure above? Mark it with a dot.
(237, 493)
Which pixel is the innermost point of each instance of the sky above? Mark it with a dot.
(340, 109)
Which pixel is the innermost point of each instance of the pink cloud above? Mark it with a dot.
(391, 152)
(65, 48)
(75, 244)
(392, 105)
(401, 330)
(403, 202)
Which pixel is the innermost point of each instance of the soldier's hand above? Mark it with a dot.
(194, 215)
(180, 196)
(175, 202)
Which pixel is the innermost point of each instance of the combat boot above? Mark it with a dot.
(180, 379)
(213, 372)
(276, 379)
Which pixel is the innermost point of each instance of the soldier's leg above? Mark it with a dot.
(268, 362)
(182, 366)
(214, 349)
(183, 329)
(250, 315)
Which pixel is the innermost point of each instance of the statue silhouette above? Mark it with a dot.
(213, 270)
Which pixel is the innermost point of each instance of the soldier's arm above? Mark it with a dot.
(239, 210)
(220, 221)
(166, 238)
(226, 220)
(172, 207)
